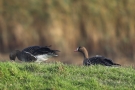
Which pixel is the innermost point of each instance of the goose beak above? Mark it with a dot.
(75, 50)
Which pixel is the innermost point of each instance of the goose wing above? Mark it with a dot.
(33, 49)
(44, 50)
(99, 60)
(109, 61)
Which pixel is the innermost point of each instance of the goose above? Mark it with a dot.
(33, 54)
(98, 59)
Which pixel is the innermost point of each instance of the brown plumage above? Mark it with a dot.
(96, 59)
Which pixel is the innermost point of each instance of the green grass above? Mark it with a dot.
(57, 76)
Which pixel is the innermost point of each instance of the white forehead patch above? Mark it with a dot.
(77, 49)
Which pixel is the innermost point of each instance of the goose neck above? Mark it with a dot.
(85, 53)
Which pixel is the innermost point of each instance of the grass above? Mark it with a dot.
(58, 76)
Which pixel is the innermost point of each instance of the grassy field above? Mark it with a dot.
(58, 76)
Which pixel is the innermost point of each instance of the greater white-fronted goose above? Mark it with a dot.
(33, 54)
(96, 59)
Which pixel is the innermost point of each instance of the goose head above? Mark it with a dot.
(82, 50)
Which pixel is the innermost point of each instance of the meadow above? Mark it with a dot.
(59, 76)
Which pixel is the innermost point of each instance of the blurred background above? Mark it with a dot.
(104, 27)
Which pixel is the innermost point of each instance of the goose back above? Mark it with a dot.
(31, 49)
(98, 60)
(45, 50)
